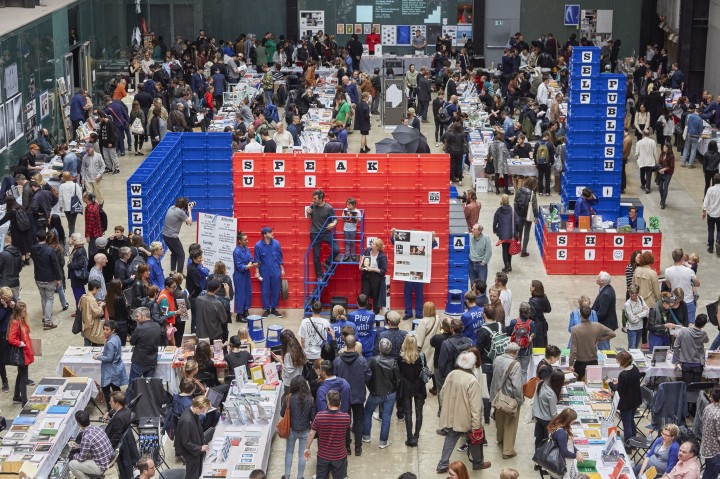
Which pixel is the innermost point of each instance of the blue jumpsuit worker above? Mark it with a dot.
(268, 256)
(413, 287)
(243, 262)
(318, 213)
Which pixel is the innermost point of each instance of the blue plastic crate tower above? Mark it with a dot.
(596, 109)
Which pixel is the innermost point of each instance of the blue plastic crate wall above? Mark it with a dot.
(207, 172)
(150, 189)
(596, 112)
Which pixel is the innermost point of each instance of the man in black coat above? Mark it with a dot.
(10, 265)
(604, 306)
(423, 94)
(356, 50)
(333, 145)
(189, 440)
(119, 418)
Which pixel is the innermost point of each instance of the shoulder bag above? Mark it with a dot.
(548, 456)
(506, 404)
(15, 355)
(425, 373)
(530, 216)
(530, 387)
(283, 425)
(75, 203)
(136, 128)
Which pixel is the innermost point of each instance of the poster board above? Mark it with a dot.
(412, 258)
(217, 236)
(312, 21)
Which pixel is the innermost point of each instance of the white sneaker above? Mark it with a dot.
(376, 416)
(437, 144)
(365, 439)
(387, 444)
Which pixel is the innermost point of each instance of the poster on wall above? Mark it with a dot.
(340, 29)
(13, 115)
(31, 86)
(3, 139)
(464, 33)
(31, 129)
(403, 35)
(412, 259)
(348, 29)
(11, 80)
(388, 35)
(451, 31)
(464, 13)
(311, 21)
(44, 104)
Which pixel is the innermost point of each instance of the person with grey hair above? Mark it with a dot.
(384, 379)
(146, 339)
(463, 412)
(507, 378)
(604, 306)
(522, 332)
(122, 268)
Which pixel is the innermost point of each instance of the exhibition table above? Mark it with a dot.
(39, 434)
(243, 437)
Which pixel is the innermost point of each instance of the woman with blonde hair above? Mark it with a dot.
(373, 265)
(411, 387)
(575, 314)
(190, 370)
(338, 322)
(429, 326)
(244, 335)
(69, 190)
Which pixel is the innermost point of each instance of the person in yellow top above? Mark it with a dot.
(92, 315)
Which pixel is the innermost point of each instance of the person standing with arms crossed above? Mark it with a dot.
(268, 257)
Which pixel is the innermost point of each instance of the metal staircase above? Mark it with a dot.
(313, 287)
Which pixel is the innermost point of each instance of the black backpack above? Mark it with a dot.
(103, 220)
(22, 220)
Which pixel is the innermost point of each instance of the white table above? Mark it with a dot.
(80, 360)
(67, 430)
(263, 432)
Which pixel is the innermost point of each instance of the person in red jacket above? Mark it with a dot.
(372, 39)
(209, 102)
(19, 336)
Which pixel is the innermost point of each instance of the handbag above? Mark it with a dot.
(530, 387)
(283, 425)
(137, 128)
(77, 323)
(530, 216)
(548, 456)
(515, 246)
(489, 166)
(15, 355)
(506, 404)
(425, 373)
(75, 203)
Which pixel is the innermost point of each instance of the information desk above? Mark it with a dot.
(368, 64)
(612, 369)
(241, 443)
(46, 424)
(589, 251)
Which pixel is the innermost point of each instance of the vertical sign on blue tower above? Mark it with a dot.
(572, 15)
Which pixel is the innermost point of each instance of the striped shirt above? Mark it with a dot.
(331, 426)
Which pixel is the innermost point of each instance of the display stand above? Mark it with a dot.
(64, 101)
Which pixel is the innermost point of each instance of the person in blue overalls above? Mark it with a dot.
(413, 287)
(364, 320)
(268, 256)
(243, 262)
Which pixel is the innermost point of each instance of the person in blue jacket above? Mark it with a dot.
(364, 321)
(472, 318)
(585, 203)
(203, 270)
(157, 275)
(243, 262)
(268, 256)
(330, 382)
(78, 107)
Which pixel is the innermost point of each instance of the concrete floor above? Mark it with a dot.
(681, 224)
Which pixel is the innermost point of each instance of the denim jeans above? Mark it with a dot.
(477, 270)
(603, 345)
(408, 291)
(524, 363)
(691, 311)
(350, 241)
(627, 416)
(78, 292)
(301, 437)
(47, 299)
(716, 343)
(634, 338)
(712, 467)
(691, 145)
(61, 294)
(373, 401)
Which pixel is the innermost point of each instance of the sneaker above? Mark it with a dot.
(441, 432)
(388, 443)
(117, 170)
(5, 387)
(17, 400)
(683, 165)
(65, 308)
(366, 439)
(547, 194)
(482, 465)
(376, 416)
(442, 470)
(358, 452)
(266, 313)
(401, 419)
(30, 382)
(407, 316)
(437, 145)
(48, 326)
(463, 448)
(691, 166)
(276, 313)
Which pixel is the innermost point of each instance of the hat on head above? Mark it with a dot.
(266, 229)
(101, 242)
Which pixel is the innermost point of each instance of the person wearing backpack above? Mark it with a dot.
(522, 332)
(526, 209)
(438, 106)
(490, 337)
(583, 342)
(451, 349)
(544, 156)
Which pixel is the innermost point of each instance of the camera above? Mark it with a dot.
(191, 204)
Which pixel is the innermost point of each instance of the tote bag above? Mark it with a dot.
(283, 425)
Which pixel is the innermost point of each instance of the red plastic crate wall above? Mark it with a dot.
(395, 191)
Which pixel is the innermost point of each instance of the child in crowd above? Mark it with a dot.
(351, 216)
(244, 336)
